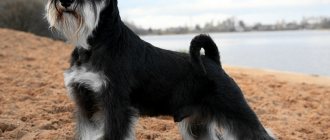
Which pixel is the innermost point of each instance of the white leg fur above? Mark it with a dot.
(131, 131)
(185, 130)
(270, 133)
(213, 130)
(187, 134)
(227, 135)
(91, 130)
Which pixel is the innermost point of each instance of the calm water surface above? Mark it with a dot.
(294, 51)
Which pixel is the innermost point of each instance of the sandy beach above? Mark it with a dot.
(34, 103)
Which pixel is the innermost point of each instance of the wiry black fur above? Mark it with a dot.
(150, 81)
(211, 51)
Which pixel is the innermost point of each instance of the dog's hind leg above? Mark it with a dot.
(237, 130)
(197, 129)
(235, 118)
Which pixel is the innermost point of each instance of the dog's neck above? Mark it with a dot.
(110, 27)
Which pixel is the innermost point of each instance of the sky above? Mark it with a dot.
(172, 13)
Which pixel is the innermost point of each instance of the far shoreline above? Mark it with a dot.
(244, 32)
(294, 77)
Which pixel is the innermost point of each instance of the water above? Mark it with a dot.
(294, 51)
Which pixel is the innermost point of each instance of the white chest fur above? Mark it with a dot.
(94, 81)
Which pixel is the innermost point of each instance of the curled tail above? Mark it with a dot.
(211, 51)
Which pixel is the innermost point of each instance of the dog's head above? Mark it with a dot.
(76, 19)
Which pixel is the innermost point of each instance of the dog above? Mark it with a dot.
(115, 77)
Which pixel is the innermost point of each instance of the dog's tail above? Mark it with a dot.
(210, 48)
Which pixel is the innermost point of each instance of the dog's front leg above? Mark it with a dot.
(119, 117)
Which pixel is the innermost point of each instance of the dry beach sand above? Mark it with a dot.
(34, 103)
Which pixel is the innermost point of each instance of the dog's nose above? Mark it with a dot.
(66, 3)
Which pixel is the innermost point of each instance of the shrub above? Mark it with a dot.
(23, 15)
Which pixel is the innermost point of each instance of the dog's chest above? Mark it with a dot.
(82, 77)
(82, 74)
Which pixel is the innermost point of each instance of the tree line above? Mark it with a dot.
(234, 25)
(29, 17)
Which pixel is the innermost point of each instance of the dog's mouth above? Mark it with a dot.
(63, 17)
(68, 11)
(62, 12)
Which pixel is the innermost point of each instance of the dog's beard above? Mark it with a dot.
(76, 24)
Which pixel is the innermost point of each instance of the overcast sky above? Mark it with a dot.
(167, 13)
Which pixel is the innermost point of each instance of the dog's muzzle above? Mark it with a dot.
(66, 3)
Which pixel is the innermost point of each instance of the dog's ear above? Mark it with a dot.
(113, 5)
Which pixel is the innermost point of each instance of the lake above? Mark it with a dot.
(293, 51)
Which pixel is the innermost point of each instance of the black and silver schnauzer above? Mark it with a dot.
(115, 77)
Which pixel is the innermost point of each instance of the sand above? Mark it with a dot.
(34, 103)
